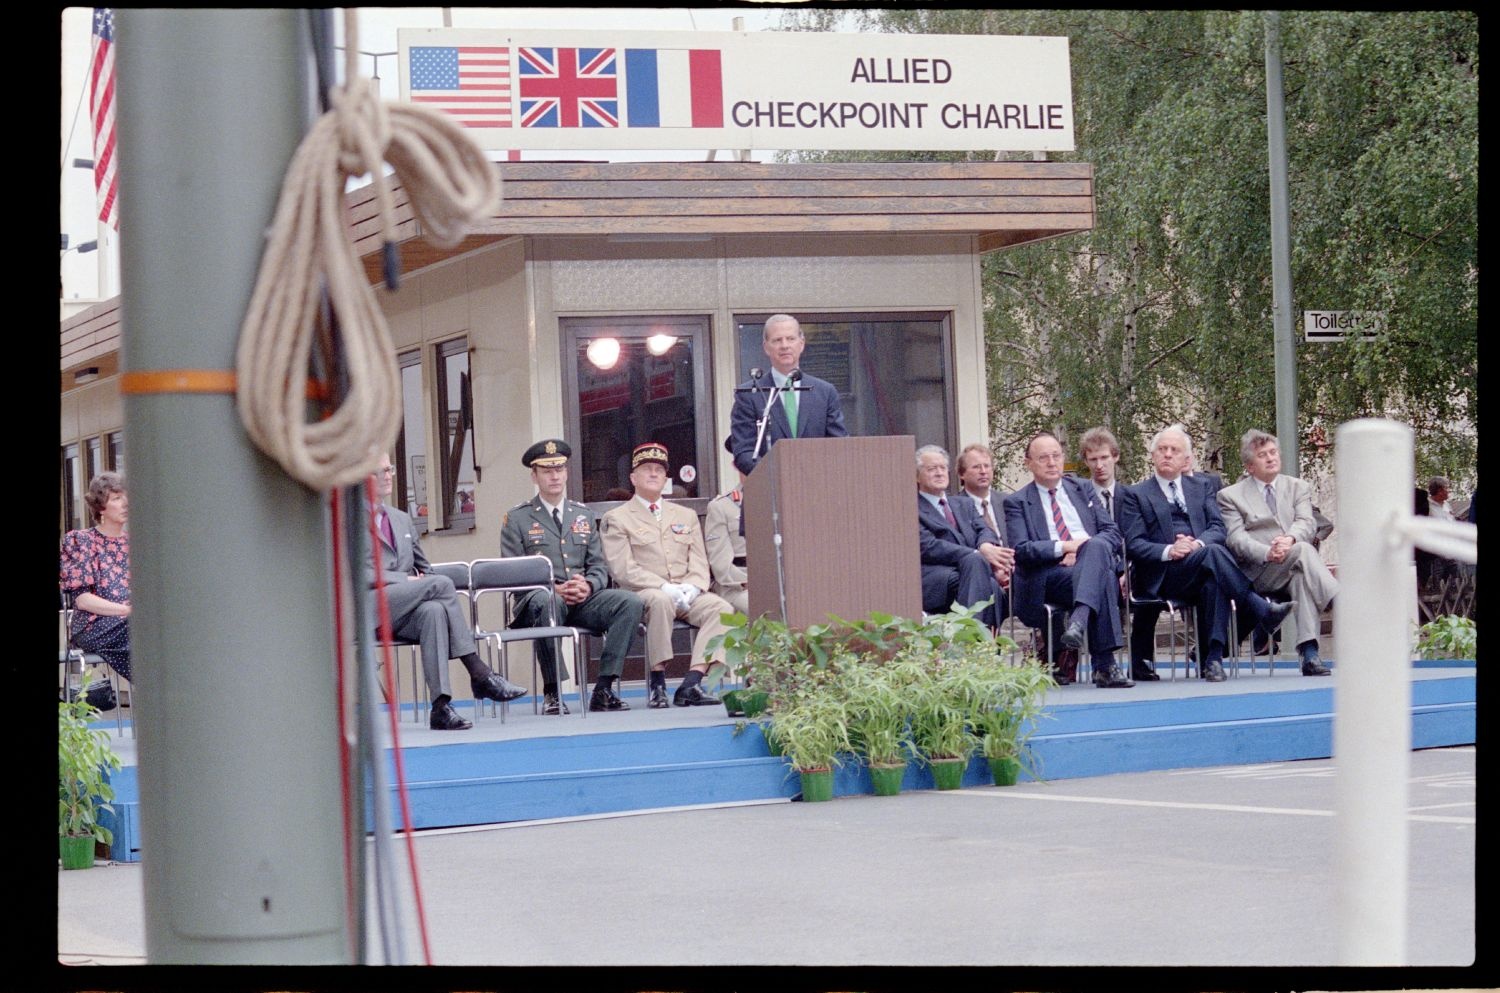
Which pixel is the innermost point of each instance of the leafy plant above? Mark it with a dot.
(1006, 717)
(878, 699)
(1448, 637)
(83, 760)
(813, 731)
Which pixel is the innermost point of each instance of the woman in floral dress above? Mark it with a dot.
(96, 574)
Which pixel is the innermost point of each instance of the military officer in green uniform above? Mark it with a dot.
(568, 533)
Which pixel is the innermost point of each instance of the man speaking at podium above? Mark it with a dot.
(805, 407)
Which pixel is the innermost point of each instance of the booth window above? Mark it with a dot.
(455, 406)
(893, 371)
(115, 451)
(409, 492)
(70, 487)
(94, 457)
(630, 380)
(448, 405)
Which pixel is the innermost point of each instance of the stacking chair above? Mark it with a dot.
(522, 574)
(458, 573)
(1177, 611)
(74, 661)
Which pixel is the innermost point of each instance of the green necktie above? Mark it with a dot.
(789, 404)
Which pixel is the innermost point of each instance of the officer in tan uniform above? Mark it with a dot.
(725, 544)
(567, 533)
(656, 549)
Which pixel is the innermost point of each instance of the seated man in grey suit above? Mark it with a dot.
(962, 560)
(1270, 526)
(424, 608)
(1174, 538)
(1066, 547)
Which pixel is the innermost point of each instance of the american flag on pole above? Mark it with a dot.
(471, 82)
(569, 87)
(102, 109)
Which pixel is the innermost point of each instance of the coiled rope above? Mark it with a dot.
(451, 185)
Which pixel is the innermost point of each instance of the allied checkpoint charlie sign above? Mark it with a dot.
(677, 90)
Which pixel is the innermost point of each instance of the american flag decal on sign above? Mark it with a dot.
(569, 87)
(470, 82)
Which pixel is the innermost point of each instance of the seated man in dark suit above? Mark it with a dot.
(962, 559)
(1065, 556)
(810, 411)
(424, 608)
(1175, 540)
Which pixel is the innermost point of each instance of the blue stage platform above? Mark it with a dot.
(532, 767)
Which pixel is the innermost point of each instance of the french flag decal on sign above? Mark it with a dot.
(673, 88)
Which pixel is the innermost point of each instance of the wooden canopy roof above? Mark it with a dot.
(1003, 203)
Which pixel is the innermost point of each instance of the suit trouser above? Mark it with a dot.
(1090, 582)
(615, 612)
(967, 583)
(1210, 578)
(661, 611)
(1306, 579)
(426, 610)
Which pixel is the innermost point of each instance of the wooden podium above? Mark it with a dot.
(846, 510)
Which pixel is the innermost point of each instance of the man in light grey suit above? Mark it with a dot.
(424, 608)
(1270, 525)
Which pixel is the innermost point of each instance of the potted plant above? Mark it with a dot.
(812, 731)
(879, 705)
(1005, 717)
(941, 705)
(84, 759)
(1448, 637)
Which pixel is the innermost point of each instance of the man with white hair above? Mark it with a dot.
(1269, 520)
(807, 407)
(1175, 540)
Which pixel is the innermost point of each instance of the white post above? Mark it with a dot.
(1372, 692)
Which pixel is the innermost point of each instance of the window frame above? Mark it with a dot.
(699, 329)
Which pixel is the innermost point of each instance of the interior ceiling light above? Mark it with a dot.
(603, 352)
(660, 344)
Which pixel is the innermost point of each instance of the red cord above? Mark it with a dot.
(384, 610)
(346, 744)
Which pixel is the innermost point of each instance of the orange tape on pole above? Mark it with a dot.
(140, 382)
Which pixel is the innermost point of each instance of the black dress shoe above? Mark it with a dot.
(552, 706)
(496, 687)
(693, 696)
(606, 699)
(1144, 672)
(1072, 635)
(1314, 667)
(445, 718)
(1109, 677)
(1213, 672)
(656, 698)
(1276, 614)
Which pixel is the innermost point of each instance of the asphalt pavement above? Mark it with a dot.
(1225, 866)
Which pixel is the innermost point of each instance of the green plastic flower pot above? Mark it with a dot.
(754, 702)
(817, 784)
(887, 777)
(76, 853)
(948, 774)
(1005, 771)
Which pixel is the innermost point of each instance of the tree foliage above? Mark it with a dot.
(1163, 312)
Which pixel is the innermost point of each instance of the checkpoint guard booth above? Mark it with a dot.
(611, 303)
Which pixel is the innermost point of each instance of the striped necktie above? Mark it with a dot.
(1063, 534)
(948, 513)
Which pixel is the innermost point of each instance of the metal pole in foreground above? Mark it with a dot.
(1372, 693)
(241, 827)
(1281, 253)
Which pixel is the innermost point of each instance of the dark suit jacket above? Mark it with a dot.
(1145, 520)
(1026, 530)
(819, 415)
(939, 542)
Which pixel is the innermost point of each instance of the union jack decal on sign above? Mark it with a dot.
(569, 87)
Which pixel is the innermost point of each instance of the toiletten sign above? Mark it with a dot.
(604, 90)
